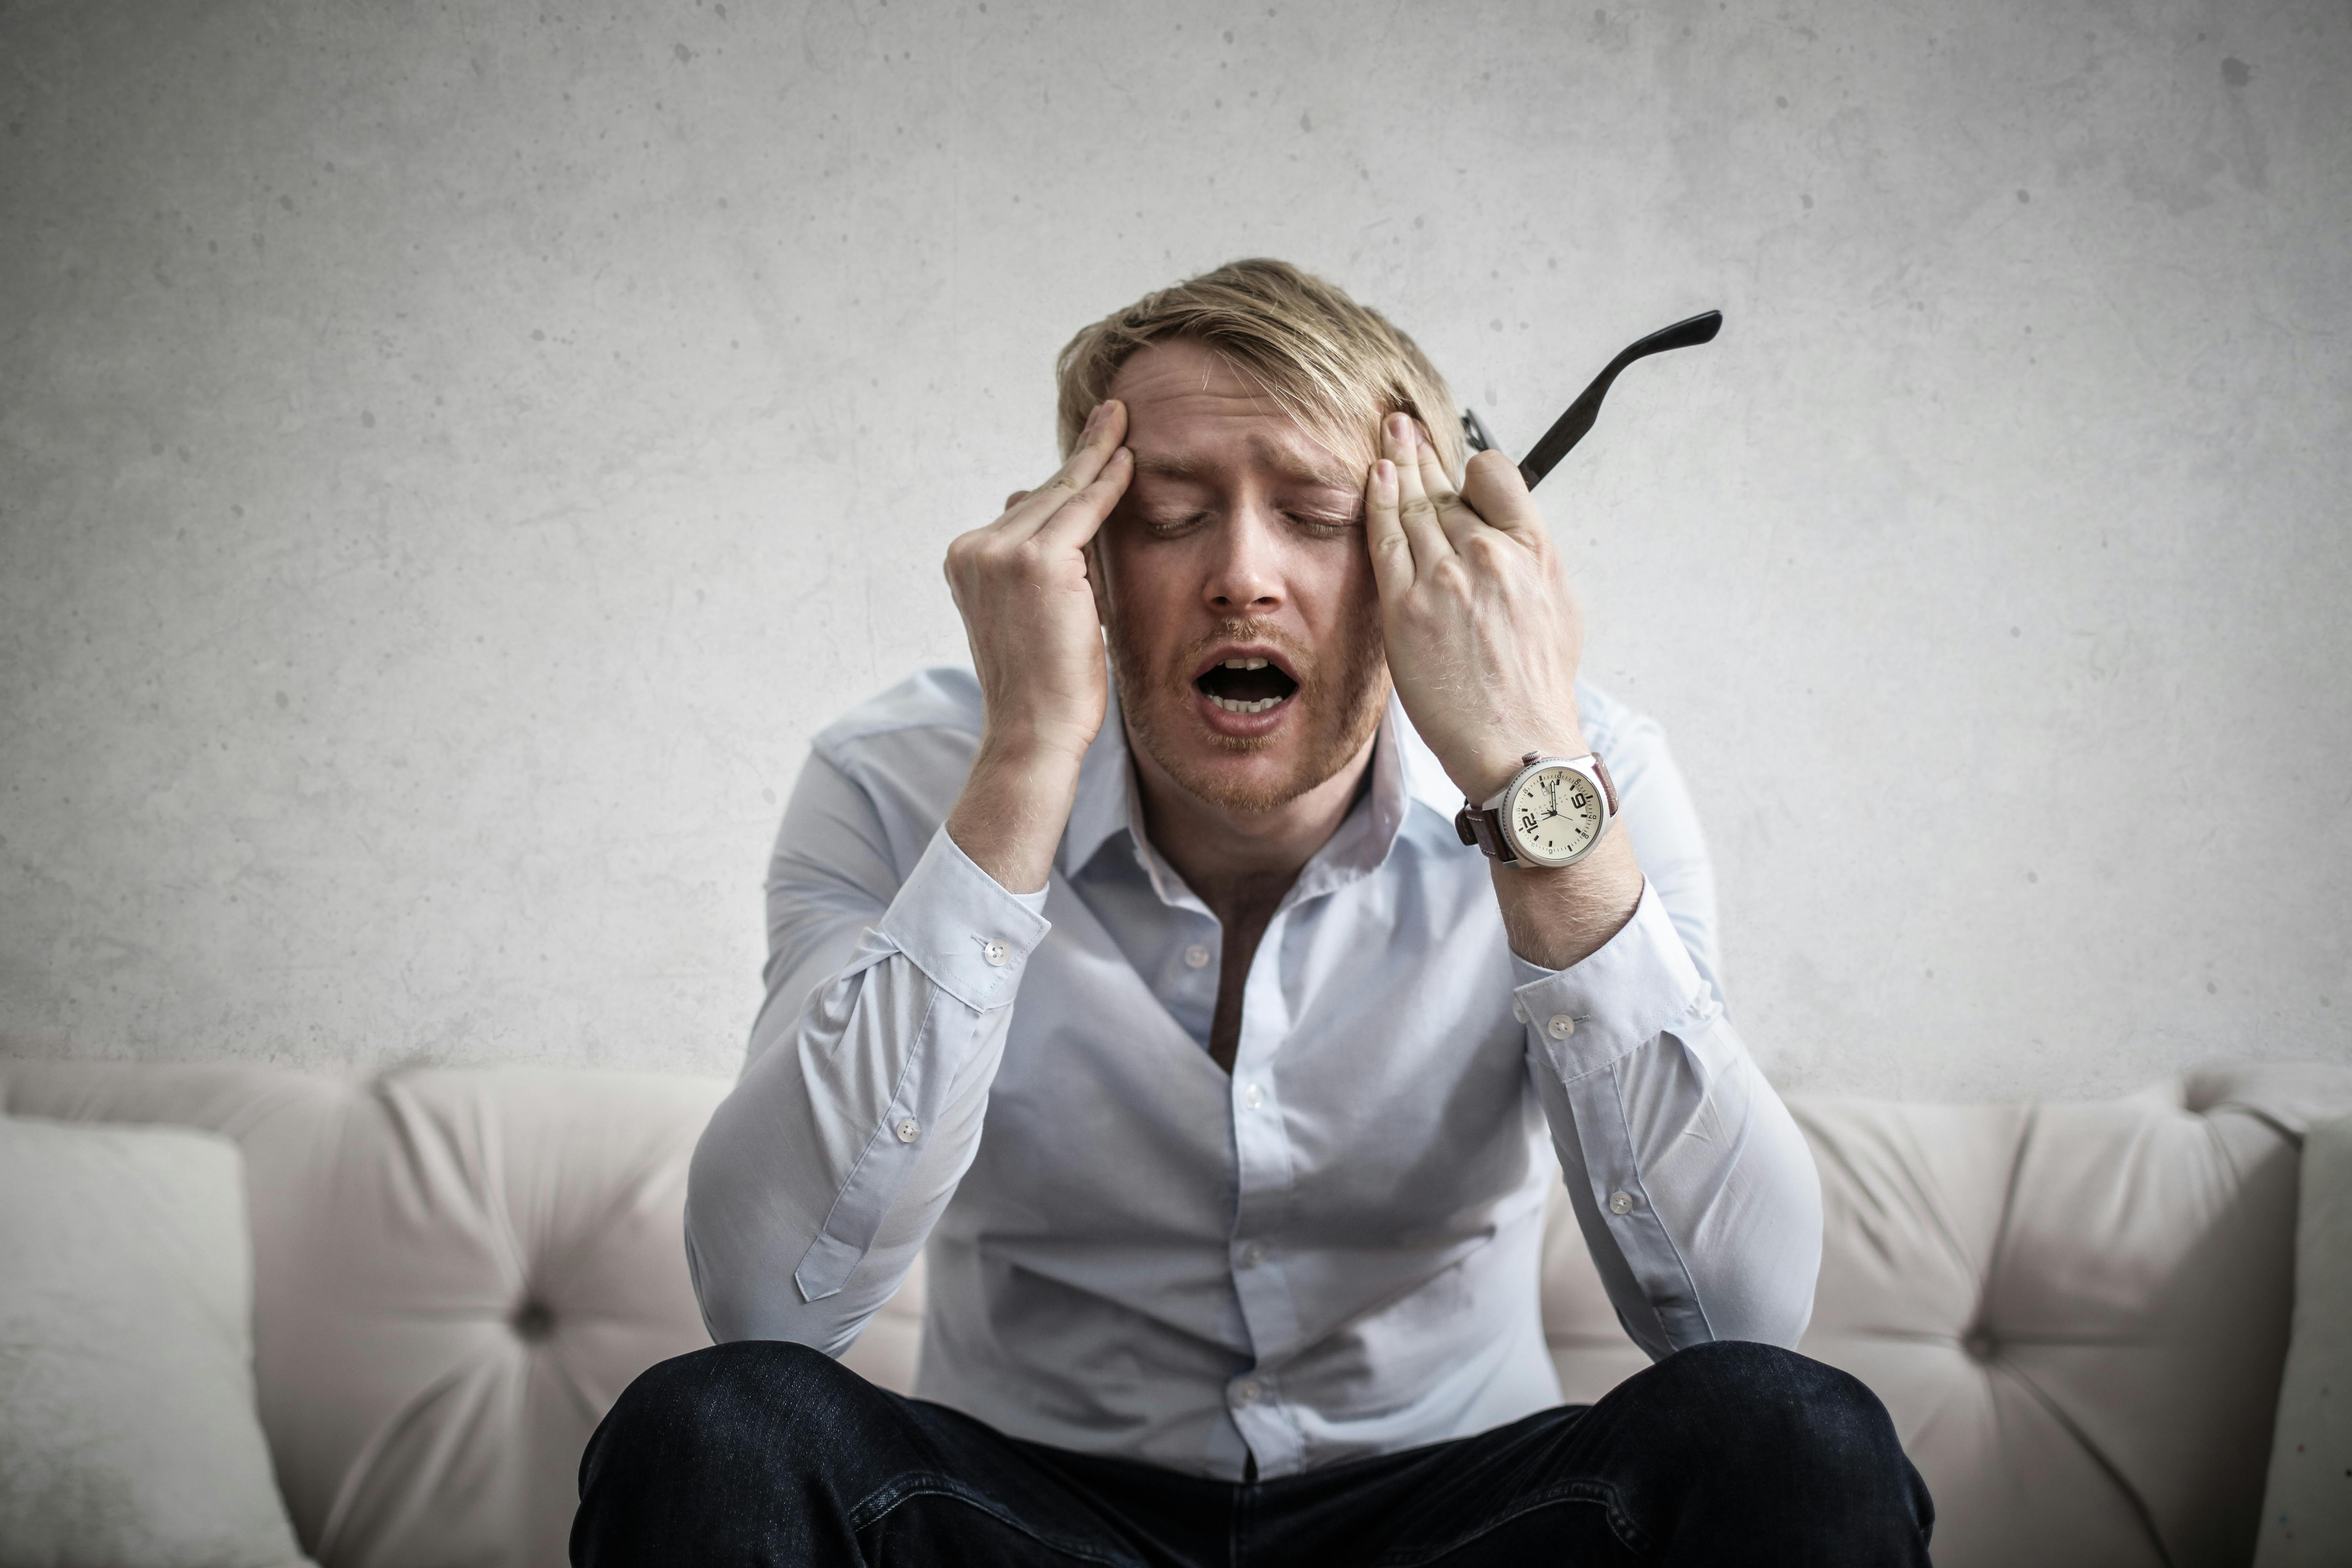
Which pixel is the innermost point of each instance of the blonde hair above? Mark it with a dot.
(1335, 366)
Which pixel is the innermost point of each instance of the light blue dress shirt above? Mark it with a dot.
(1329, 1253)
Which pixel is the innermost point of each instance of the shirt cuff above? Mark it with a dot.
(961, 928)
(1640, 985)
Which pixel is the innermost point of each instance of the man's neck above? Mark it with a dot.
(1241, 861)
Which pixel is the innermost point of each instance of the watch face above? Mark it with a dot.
(1554, 816)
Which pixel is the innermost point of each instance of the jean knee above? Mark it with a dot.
(1775, 1405)
(791, 1395)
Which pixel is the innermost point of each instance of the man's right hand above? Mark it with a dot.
(1036, 643)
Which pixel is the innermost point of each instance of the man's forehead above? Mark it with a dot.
(1191, 414)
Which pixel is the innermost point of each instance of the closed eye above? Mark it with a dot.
(1324, 524)
(1172, 526)
(1315, 524)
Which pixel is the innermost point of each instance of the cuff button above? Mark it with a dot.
(1621, 1203)
(1560, 1026)
(996, 953)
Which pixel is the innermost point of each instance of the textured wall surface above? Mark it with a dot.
(451, 459)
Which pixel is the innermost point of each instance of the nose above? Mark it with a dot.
(1244, 577)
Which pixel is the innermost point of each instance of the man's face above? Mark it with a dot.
(1244, 626)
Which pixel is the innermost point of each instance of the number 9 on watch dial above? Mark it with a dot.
(1553, 816)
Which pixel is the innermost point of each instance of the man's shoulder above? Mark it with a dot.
(935, 706)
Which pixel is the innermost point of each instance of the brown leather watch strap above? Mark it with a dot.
(1483, 830)
(1608, 785)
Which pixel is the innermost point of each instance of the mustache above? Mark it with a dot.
(1249, 630)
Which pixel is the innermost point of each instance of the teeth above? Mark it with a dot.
(1244, 663)
(1260, 706)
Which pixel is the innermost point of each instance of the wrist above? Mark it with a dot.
(1483, 773)
(1038, 753)
(1043, 762)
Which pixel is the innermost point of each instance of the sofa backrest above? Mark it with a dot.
(456, 1273)
(2076, 1313)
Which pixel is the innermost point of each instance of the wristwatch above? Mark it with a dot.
(1552, 812)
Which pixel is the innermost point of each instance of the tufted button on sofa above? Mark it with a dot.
(2076, 1313)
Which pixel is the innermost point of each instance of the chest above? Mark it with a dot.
(1376, 1086)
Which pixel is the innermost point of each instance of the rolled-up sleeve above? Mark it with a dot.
(819, 1177)
(1696, 1192)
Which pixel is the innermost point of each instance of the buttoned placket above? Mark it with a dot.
(1262, 1175)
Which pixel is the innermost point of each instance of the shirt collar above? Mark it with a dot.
(1405, 769)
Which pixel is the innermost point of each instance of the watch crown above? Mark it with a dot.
(1531, 759)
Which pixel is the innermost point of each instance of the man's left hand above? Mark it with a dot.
(1484, 634)
(1482, 626)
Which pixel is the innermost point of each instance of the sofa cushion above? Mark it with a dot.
(2075, 1313)
(128, 1432)
(455, 1274)
(2307, 1508)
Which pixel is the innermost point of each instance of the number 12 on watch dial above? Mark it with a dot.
(1554, 815)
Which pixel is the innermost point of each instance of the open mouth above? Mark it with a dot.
(1245, 684)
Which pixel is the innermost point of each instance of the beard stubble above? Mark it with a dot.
(1341, 697)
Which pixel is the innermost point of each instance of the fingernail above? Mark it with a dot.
(1384, 474)
(1399, 427)
(1093, 419)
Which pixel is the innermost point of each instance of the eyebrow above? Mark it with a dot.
(1283, 463)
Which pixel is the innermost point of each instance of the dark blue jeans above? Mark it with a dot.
(771, 1454)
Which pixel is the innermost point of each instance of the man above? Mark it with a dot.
(1164, 1003)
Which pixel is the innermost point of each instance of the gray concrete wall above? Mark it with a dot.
(452, 457)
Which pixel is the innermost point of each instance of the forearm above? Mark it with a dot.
(1014, 807)
(818, 1179)
(1694, 1190)
(1557, 916)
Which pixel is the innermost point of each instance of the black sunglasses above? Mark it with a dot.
(1570, 427)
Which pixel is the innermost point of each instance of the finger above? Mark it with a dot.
(1384, 531)
(1015, 498)
(1454, 514)
(1105, 429)
(1422, 529)
(1493, 486)
(1074, 522)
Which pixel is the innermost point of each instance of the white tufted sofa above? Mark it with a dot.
(2077, 1313)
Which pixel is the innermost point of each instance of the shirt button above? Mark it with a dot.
(1621, 1203)
(1253, 1255)
(1519, 1011)
(909, 1129)
(1196, 957)
(1247, 1393)
(1252, 1097)
(996, 953)
(1560, 1026)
